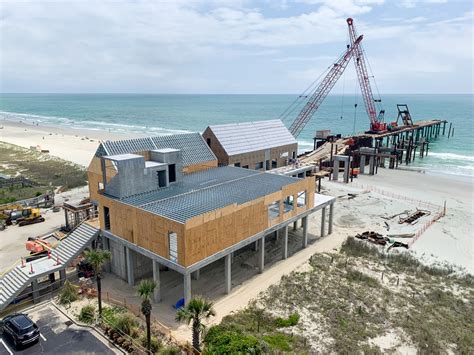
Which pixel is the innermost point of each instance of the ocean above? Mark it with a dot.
(165, 114)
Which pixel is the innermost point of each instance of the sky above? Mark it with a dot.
(231, 46)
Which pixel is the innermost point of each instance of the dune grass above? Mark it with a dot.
(48, 172)
(349, 299)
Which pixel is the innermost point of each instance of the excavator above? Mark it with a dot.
(20, 215)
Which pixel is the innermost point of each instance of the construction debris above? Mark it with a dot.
(412, 218)
(379, 239)
(372, 237)
(395, 215)
(405, 235)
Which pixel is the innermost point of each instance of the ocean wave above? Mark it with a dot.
(29, 116)
(452, 156)
(89, 125)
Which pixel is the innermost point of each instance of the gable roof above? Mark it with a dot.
(193, 148)
(238, 138)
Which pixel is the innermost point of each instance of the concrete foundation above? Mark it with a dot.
(323, 222)
(156, 278)
(228, 274)
(304, 222)
(261, 255)
(117, 260)
(284, 247)
(130, 268)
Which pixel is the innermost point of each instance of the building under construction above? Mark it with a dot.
(164, 202)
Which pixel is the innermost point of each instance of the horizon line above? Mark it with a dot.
(211, 93)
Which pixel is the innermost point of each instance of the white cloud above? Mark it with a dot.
(182, 46)
(413, 3)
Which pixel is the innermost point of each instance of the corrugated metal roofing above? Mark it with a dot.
(238, 138)
(208, 190)
(193, 147)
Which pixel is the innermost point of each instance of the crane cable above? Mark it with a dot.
(301, 98)
(379, 103)
(348, 40)
(343, 93)
(355, 109)
(310, 90)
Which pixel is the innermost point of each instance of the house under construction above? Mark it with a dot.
(164, 202)
(261, 145)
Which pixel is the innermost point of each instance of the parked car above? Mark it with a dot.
(20, 329)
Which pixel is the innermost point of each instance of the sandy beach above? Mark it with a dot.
(76, 145)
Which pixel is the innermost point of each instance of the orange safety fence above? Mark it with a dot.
(439, 211)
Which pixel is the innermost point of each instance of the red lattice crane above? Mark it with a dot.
(323, 89)
(376, 122)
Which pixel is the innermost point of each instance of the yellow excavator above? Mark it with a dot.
(19, 215)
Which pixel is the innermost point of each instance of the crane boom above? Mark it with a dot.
(323, 89)
(364, 82)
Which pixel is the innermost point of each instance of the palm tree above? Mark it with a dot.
(97, 259)
(195, 311)
(145, 290)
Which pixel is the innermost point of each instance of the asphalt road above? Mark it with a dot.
(58, 336)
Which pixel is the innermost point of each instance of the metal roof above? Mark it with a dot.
(238, 138)
(208, 190)
(193, 148)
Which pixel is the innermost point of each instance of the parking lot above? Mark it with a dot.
(59, 335)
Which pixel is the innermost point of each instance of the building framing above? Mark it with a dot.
(201, 213)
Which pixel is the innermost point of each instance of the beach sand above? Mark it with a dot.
(76, 145)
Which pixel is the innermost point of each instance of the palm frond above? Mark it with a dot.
(146, 288)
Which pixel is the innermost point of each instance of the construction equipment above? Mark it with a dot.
(26, 215)
(38, 245)
(323, 89)
(404, 114)
(377, 124)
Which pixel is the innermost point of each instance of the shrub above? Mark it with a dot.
(155, 343)
(87, 314)
(170, 350)
(278, 341)
(292, 320)
(110, 315)
(354, 247)
(125, 323)
(356, 275)
(229, 340)
(68, 293)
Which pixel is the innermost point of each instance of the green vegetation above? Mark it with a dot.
(288, 322)
(230, 340)
(87, 314)
(145, 289)
(153, 347)
(347, 300)
(255, 331)
(43, 169)
(68, 293)
(97, 258)
(197, 310)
